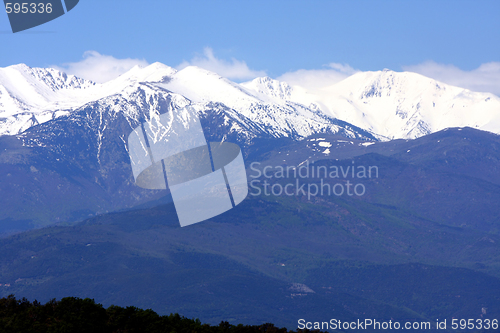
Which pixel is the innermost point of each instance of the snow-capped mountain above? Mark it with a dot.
(34, 96)
(29, 96)
(387, 104)
(409, 105)
(395, 105)
(67, 155)
(64, 139)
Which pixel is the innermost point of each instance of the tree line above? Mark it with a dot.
(76, 315)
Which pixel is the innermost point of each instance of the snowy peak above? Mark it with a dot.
(265, 88)
(52, 78)
(202, 86)
(156, 72)
(35, 87)
(29, 96)
(407, 105)
(26, 92)
(386, 83)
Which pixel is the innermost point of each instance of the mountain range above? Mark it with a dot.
(405, 105)
(420, 243)
(387, 104)
(70, 157)
(65, 155)
(33, 96)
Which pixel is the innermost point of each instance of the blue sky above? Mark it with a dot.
(449, 40)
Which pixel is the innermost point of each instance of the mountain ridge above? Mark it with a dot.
(404, 105)
(386, 104)
(197, 87)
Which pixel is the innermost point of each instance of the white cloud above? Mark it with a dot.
(234, 69)
(485, 78)
(313, 79)
(100, 68)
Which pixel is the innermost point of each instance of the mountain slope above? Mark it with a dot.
(77, 165)
(29, 96)
(404, 105)
(266, 260)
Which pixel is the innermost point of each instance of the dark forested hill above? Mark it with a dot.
(75, 315)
